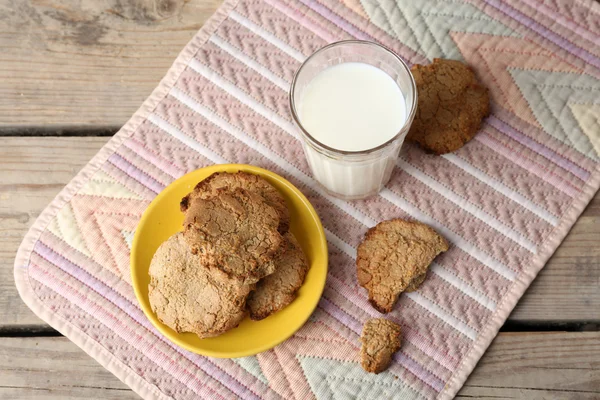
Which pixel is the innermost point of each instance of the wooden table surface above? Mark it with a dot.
(67, 83)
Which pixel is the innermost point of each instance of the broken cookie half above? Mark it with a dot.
(394, 257)
(380, 340)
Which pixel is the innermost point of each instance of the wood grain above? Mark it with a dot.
(568, 288)
(517, 366)
(533, 366)
(54, 368)
(66, 63)
(35, 169)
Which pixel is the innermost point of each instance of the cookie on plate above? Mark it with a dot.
(186, 297)
(253, 183)
(233, 231)
(279, 289)
(392, 255)
(451, 106)
(380, 340)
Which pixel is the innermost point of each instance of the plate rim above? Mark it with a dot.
(224, 168)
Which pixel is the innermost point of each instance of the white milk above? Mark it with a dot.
(352, 107)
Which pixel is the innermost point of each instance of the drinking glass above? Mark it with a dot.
(353, 174)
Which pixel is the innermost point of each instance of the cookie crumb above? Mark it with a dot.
(380, 340)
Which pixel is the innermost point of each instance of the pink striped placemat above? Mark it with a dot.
(505, 201)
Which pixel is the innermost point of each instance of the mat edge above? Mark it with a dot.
(524, 280)
(22, 258)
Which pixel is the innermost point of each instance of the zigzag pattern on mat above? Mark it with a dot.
(529, 80)
(496, 200)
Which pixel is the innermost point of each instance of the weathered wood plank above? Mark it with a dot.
(533, 366)
(568, 288)
(65, 63)
(516, 366)
(35, 169)
(54, 368)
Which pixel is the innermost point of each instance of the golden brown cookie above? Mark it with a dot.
(235, 232)
(392, 255)
(380, 340)
(279, 289)
(186, 297)
(253, 183)
(451, 106)
(416, 283)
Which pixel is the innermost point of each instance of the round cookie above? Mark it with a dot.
(392, 255)
(234, 232)
(186, 297)
(380, 339)
(279, 289)
(253, 183)
(451, 106)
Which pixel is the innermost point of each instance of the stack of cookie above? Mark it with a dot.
(235, 256)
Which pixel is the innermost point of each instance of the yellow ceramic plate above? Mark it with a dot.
(163, 218)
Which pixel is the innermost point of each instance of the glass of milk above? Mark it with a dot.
(353, 102)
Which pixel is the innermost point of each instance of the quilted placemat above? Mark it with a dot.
(505, 201)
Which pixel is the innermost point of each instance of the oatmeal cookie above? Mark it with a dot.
(186, 297)
(235, 232)
(278, 290)
(451, 106)
(416, 283)
(392, 254)
(253, 183)
(380, 340)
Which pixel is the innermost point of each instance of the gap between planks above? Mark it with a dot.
(12, 331)
(58, 131)
(81, 63)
